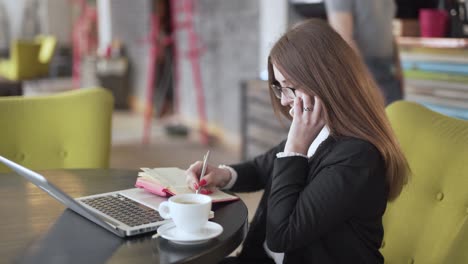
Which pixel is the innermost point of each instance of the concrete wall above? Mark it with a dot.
(15, 15)
(56, 19)
(273, 22)
(53, 17)
(229, 31)
(130, 23)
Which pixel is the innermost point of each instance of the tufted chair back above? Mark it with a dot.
(66, 130)
(428, 223)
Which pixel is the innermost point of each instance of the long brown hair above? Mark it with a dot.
(314, 58)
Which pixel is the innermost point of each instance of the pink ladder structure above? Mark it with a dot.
(179, 9)
(82, 43)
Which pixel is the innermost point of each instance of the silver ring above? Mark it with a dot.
(308, 108)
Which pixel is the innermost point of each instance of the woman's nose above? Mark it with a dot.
(285, 101)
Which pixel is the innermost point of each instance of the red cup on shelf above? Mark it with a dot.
(433, 23)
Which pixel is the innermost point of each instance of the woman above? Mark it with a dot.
(326, 186)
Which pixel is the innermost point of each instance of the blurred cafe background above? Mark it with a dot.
(190, 75)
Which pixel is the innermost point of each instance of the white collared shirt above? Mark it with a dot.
(324, 133)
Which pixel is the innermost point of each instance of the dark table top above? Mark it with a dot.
(35, 228)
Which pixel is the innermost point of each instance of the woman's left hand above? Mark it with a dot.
(306, 125)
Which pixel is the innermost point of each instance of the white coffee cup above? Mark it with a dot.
(189, 212)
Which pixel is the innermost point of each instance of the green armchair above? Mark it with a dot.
(428, 223)
(29, 59)
(66, 130)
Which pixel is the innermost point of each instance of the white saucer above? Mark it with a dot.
(170, 232)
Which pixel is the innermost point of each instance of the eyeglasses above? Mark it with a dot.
(289, 92)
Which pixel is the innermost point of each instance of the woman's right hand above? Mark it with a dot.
(214, 177)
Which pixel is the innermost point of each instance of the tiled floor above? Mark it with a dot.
(128, 151)
(164, 150)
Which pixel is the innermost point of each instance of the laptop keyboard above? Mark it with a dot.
(125, 210)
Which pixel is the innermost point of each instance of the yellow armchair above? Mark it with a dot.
(22, 62)
(29, 59)
(428, 223)
(48, 44)
(66, 130)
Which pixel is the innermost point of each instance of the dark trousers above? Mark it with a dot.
(383, 73)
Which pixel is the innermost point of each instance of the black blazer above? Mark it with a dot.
(326, 209)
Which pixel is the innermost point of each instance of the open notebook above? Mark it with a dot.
(171, 181)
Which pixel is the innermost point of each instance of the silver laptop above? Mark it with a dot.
(124, 213)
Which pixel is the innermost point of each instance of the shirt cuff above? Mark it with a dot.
(233, 177)
(290, 154)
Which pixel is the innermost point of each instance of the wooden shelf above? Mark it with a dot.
(261, 129)
(457, 43)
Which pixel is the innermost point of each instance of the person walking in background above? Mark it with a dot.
(366, 25)
(327, 185)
